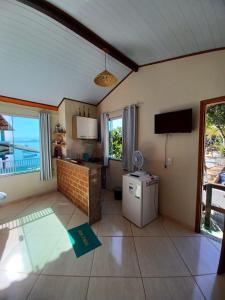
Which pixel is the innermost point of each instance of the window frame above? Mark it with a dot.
(111, 119)
(27, 117)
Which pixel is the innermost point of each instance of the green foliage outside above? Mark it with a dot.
(215, 129)
(115, 143)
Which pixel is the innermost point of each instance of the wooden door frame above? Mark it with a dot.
(203, 105)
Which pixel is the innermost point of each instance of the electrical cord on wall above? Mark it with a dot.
(166, 142)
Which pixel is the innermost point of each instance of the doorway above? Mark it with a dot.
(210, 209)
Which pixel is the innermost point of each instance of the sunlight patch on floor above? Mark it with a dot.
(23, 220)
(36, 237)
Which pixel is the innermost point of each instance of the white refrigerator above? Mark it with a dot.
(140, 199)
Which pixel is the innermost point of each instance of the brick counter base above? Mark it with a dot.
(82, 185)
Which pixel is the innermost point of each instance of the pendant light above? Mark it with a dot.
(105, 78)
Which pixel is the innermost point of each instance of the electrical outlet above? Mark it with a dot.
(169, 161)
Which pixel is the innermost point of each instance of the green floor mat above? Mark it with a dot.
(83, 239)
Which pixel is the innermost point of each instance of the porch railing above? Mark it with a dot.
(19, 166)
(209, 187)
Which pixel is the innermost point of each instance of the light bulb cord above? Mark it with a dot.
(105, 60)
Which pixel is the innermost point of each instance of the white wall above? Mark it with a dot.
(163, 87)
(25, 185)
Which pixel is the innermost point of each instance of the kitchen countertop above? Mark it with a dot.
(88, 165)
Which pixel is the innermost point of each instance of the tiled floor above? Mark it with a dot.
(161, 261)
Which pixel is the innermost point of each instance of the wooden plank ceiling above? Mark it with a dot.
(44, 61)
(153, 30)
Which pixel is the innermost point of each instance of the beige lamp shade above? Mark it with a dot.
(105, 79)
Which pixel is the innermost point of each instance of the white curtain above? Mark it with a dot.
(129, 136)
(105, 137)
(45, 151)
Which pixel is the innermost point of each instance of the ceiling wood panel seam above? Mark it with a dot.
(68, 21)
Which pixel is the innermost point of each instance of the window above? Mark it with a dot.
(115, 138)
(19, 144)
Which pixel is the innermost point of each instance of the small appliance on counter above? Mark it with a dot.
(85, 157)
(140, 194)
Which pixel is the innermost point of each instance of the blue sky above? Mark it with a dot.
(116, 123)
(24, 128)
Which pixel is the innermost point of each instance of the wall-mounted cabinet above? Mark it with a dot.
(85, 128)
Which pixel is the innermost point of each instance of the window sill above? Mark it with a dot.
(116, 159)
(16, 174)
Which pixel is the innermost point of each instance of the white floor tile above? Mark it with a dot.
(198, 253)
(108, 195)
(113, 225)
(58, 196)
(10, 211)
(218, 245)
(212, 286)
(101, 288)
(40, 206)
(175, 288)
(33, 239)
(155, 228)
(116, 257)
(49, 224)
(15, 286)
(63, 261)
(77, 219)
(64, 207)
(175, 229)
(9, 238)
(59, 288)
(30, 254)
(158, 257)
(112, 207)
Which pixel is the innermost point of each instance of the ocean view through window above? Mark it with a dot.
(19, 144)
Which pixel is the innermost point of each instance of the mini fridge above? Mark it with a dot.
(140, 198)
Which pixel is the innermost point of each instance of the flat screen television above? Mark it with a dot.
(172, 122)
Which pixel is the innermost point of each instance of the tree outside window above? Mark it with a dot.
(215, 129)
(115, 138)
